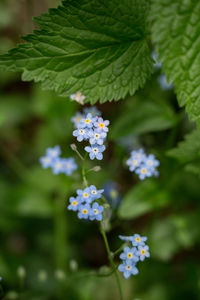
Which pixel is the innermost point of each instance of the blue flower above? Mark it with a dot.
(126, 238)
(92, 110)
(85, 195)
(53, 152)
(46, 161)
(129, 254)
(84, 211)
(128, 269)
(76, 119)
(69, 165)
(102, 125)
(95, 151)
(87, 121)
(143, 252)
(138, 240)
(81, 134)
(74, 203)
(96, 212)
(57, 166)
(96, 137)
(95, 194)
(144, 171)
(151, 161)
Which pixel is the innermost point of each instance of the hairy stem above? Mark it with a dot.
(110, 257)
(84, 171)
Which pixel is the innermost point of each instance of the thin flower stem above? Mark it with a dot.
(84, 171)
(119, 250)
(110, 257)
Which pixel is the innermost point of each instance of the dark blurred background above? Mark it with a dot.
(46, 252)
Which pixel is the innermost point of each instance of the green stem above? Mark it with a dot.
(118, 250)
(110, 257)
(84, 171)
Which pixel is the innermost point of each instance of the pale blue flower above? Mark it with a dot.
(96, 137)
(144, 171)
(111, 192)
(53, 152)
(143, 252)
(128, 269)
(102, 125)
(76, 119)
(93, 110)
(95, 151)
(151, 161)
(96, 212)
(84, 211)
(87, 121)
(95, 194)
(74, 203)
(129, 254)
(57, 166)
(46, 161)
(138, 240)
(81, 134)
(69, 165)
(85, 195)
(126, 238)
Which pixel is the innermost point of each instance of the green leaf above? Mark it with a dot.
(176, 35)
(143, 198)
(144, 115)
(98, 47)
(189, 149)
(188, 152)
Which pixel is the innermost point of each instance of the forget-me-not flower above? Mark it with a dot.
(85, 194)
(138, 240)
(128, 269)
(102, 125)
(143, 252)
(74, 203)
(96, 137)
(95, 194)
(69, 165)
(129, 254)
(84, 211)
(76, 119)
(95, 151)
(53, 152)
(57, 166)
(93, 110)
(87, 121)
(81, 134)
(96, 212)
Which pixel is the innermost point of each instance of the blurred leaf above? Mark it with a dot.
(144, 197)
(188, 152)
(144, 115)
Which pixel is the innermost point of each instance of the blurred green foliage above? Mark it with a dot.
(37, 231)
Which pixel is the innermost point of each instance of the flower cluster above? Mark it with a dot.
(86, 206)
(131, 255)
(92, 128)
(142, 164)
(59, 165)
(87, 110)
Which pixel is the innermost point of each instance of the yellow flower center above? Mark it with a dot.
(96, 211)
(134, 162)
(78, 119)
(74, 203)
(144, 170)
(129, 255)
(84, 211)
(143, 252)
(58, 165)
(85, 195)
(47, 159)
(149, 162)
(87, 121)
(138, 239)
(101, 125)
